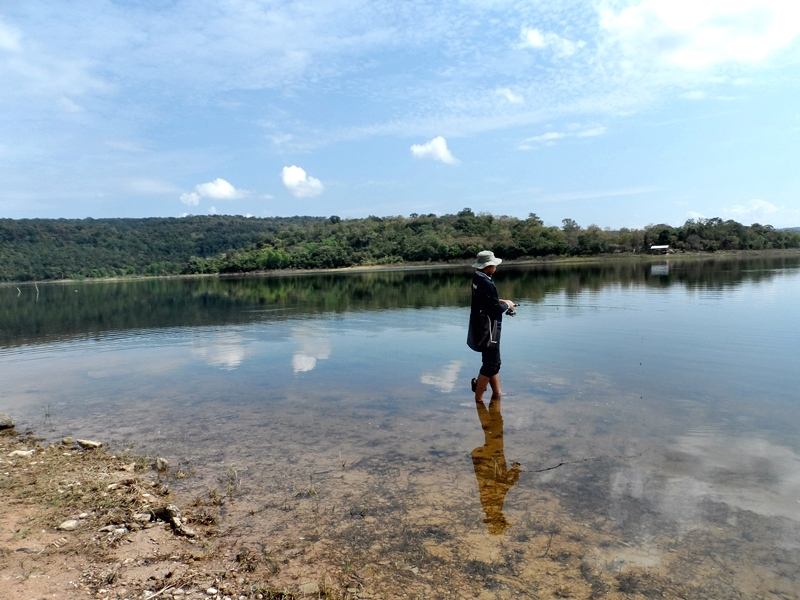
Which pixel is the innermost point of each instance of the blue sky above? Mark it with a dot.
(617, 113)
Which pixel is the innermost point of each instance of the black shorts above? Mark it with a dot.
(491, 361)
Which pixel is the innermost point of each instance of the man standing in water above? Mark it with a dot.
(485, 319)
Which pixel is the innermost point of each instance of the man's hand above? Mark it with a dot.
(510, 306)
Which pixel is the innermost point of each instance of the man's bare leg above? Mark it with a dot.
(494, 381)
(480, 387)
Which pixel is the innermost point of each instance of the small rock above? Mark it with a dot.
(120, 531)
(68, 525)
(211, 591)
(162, 464)
(310, 589)
(22, 453)
(172, 515)
(89, 444)
(6, 422)
(68, 441)
(178, 592)
(83, 516)
(107, 528)
(142, 517)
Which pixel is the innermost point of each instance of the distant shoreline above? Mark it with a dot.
(410, 267)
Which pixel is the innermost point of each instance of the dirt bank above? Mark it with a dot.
(81, 522)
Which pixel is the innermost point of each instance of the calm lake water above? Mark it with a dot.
(647, 442)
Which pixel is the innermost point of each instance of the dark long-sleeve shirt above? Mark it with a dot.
(486, 313)
(485, 299)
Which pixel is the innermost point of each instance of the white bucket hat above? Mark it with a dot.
(486, 258)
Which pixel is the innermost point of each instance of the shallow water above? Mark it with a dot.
(646, 442)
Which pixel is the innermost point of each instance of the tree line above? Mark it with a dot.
(41, 249)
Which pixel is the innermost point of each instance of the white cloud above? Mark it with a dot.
(219, 189)
(598, 194)
(694, 36)
(756, 210)
(532, 38)
(38, 70)
(547, 138)
(592, 132)
(9, 38)
(435, 149)
(212, 210)
(299, 183)
(561, 46)
(190, 198)
(551, 137)
(509, 95)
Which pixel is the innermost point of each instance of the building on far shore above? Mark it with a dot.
(659, 249)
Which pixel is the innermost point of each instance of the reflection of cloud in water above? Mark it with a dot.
(225, 351)
(312, 345)
(746, 473)
(303, 362)
(445, 379)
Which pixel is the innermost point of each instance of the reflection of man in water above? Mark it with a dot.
(489, 461)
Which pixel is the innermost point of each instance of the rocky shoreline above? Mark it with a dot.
(79, 521)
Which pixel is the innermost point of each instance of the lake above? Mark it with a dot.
(646, 443)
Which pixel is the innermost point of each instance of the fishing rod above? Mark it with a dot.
(513, 311)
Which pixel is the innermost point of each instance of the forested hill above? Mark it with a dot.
(69, 248)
